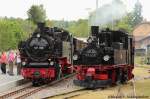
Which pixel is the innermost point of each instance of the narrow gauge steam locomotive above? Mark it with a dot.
(46, 55)
(107, 59)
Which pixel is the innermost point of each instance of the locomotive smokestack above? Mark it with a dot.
(41, 26)
(94, 30)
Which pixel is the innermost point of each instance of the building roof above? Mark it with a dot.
(148, 37)
(141, 31)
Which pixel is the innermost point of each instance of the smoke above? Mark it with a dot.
(108, 13)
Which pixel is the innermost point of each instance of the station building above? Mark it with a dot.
(142, 35)
(142, 38)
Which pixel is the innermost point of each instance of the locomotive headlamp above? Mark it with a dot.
(89, 40)
(23, 63)
(38, 35)
(51, 63)
(106, 57)
(75, 57)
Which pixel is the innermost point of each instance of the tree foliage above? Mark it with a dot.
(37, 14)
(12, 31)
(124, 23)
(136, 16)
(79, 28)
(129, 21)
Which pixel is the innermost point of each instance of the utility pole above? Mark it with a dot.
(89, 17)
(112, 24)
(96, 12)
(96, 4)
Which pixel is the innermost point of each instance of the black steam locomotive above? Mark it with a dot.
(107, 59)
(43, 56)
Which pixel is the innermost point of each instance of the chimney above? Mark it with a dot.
(94, 30)
(41, 26)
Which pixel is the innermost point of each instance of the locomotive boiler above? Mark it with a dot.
(46, 55)
(107, 59)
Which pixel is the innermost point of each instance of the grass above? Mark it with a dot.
(141, 62)
(143, 88)
(140, 71)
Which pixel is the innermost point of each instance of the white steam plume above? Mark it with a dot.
(108, 13)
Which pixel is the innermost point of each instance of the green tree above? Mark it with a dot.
(12, 31)
(49, 23)
(79, 28)
(37, 13)
(124, 23)
(136, 16)
(129, 21)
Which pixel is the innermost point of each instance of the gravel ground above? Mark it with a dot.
(59, 88)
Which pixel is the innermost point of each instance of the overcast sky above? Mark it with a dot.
(62, 9)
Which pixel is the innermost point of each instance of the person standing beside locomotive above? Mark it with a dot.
(11, 58)
(18, 63)
(0, 59)
(3, 61)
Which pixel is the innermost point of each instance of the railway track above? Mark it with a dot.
(65, 87)
(70, 94)
(29, 90)
(129, 93)
(122, 91)
(14, 91)
(121, 94)
(73, 93)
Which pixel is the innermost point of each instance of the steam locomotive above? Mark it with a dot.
(46, 55)
(107, 59)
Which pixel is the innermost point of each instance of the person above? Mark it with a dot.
(3, 62)
(0, 59)
(18, 62)
(11, 58)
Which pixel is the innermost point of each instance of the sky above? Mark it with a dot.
(62, 9)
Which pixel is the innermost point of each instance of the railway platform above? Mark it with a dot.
(7, 81)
